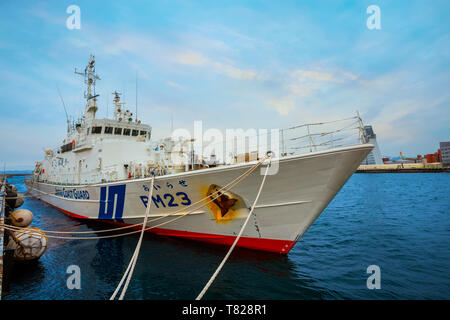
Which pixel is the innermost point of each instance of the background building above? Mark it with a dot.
(374, 157)
(445, 153)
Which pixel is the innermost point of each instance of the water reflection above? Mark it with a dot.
(109, 261)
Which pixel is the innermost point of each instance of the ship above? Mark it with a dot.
(104, 170)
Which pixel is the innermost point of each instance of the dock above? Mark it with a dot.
(2, 219)
(6, 256)
(403, 168)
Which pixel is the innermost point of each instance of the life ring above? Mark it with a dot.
(73, 144)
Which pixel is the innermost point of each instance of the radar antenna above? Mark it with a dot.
(118, 111)
(90, 78)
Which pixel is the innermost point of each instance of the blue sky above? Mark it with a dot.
(232, 64)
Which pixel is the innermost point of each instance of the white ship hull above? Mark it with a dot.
(290, 201)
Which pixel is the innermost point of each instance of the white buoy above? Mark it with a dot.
(28, 244)
(21, 218)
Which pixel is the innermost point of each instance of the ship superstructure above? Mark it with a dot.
(100, 150)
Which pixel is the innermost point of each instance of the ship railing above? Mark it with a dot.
(298, 139)
(318, 136)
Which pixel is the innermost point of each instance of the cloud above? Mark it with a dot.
(300, 84)
(309, 75)
(197, 59)
(320, 76)
(191, 58)
(396, 118)
(42, 11)
(174, 85)
(155, 50)
(233, 72)
(283, 105)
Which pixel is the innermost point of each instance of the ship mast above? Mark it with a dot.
(90, 78)
(118, 112)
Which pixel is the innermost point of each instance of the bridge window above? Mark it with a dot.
(117, 130)
(143, 133)
(96, 130)
(135, 133)
(126, 132)
(108, 130)
(66, 147)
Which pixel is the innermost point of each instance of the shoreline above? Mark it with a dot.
(404, 170)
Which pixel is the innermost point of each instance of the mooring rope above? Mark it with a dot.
(200, 296)
(130, 269)
(229, 186)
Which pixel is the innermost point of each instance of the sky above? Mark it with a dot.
(231, 64)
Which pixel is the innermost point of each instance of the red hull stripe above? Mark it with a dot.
(269, 245)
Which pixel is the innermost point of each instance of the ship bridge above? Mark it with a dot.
(118, 129)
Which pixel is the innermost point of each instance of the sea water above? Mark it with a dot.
(399, 223)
